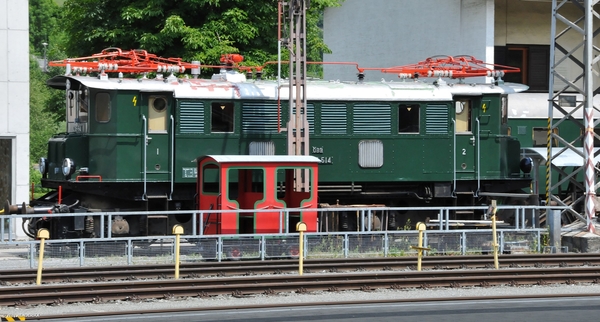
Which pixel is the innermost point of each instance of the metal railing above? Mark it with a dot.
(146, 250)
(444, 236)
(524, 217)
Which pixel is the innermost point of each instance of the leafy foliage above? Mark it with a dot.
(43, 21)
(42, 122)
(191, 29)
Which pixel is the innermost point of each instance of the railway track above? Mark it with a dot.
(57, 294)
(277, 267)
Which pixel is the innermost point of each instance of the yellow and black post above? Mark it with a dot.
(301, 227)
(421, 227)
(494, 237)
(177, 231)
(42, 235)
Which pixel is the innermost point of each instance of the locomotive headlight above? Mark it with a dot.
(526, 165)
(68, 167)
(43, 166)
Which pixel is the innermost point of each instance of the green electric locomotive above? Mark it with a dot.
(131, 143)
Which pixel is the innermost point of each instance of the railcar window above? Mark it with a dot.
(408, 118)
(463, 116)
(221, 117)
(540, 137)
(210, 179)
(251, 187)
(102, 107)
(289, 176)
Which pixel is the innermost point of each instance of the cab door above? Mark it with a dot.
(156, 115)
(465, 135)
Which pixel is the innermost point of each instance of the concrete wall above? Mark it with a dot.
(529, 22)
(522, 22)
(384, 33)
(14, 95)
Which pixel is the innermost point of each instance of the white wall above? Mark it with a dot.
(385, 33)
(14, 92)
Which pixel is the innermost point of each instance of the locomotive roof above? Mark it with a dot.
(408, 90)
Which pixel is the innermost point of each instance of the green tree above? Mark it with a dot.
(191, 29)
(41, 121)
(43, 20)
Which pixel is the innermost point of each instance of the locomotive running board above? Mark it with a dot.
(502, 194)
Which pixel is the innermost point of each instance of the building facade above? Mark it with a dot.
(14, 103)
(383, 33)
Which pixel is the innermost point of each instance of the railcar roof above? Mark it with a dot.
(567, 158)
(408, 90)
(261, 158)
(535, 106)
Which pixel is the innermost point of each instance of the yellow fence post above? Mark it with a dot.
(42, 235)
(494, 237)
(421, 227)
(178, 231)
(301, 227)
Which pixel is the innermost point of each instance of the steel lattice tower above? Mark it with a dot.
(573, 46)
(294, 22)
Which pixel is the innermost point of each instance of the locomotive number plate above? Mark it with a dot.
(189, 172)
(326, 160)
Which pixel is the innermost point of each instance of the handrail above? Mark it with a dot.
(454, 159)
(172, 167)
(145, 144)
(478, 143)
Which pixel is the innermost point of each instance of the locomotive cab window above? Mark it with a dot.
(157, 114)
(77, 111)
(102, 107)
(408, 118)
(221, 119)
(504, 108)
(463, 116)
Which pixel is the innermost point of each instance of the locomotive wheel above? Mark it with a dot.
(234, 254)
(293, 252)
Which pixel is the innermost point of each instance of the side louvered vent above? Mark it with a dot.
(310, 117)
(259, 117)
(333, 118)
(191, 117)
(370, 154)
(262, 148)
(437, 119)
(372, 118)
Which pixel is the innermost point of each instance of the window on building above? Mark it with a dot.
(221, 117)
(408, 118)
(533, 60)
